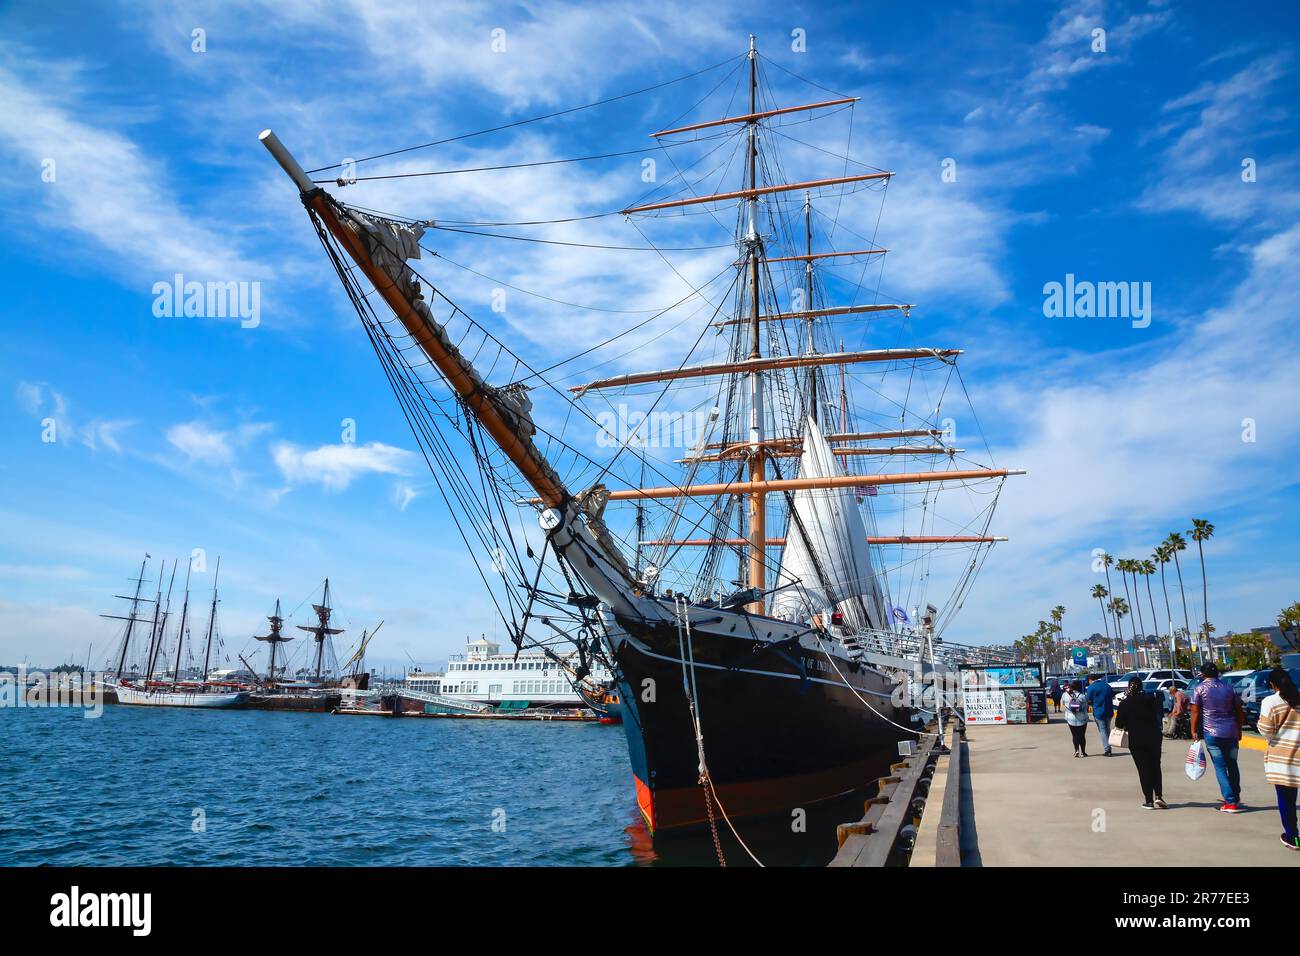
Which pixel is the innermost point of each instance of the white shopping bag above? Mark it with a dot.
(1195, 765)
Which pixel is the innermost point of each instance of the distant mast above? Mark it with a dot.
(180, 633)
(274, 638)
(321, 629)
(212, 619)
(130, 621)
(155, 638)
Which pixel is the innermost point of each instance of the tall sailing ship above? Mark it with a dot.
(319, 683)
(746, 688)
(149, 683)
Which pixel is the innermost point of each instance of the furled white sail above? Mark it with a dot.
(826, 549)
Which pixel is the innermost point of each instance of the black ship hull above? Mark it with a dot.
(318, 703)
(781, 729)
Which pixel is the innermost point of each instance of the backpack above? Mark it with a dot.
(1075, 703)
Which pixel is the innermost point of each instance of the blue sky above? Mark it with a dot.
(183, 433)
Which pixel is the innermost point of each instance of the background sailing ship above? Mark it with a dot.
(757, 671)
(153, 685)
(319, 683)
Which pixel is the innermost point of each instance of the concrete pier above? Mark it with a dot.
(1030, 802)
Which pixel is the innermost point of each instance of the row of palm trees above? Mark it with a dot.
(1130, 604)
(1047, 643)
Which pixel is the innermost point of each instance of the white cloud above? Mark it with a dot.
(1224, 123)
(105, 186)
(48, 404)
(403, 494)
(1067, 51)
(335, 466)
(1122, 447)
(199, 443)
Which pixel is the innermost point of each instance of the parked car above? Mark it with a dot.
(1235, 677)
(1253, 688)
(1120, 683)
(1164, 688)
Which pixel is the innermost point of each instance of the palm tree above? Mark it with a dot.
(1147, 567)
(1106, 562)
(1100, 593)
(1175, 543)
(1201, 531)
(1119, 607)
(1163, 554)
(1058, 614)
(1126, 567)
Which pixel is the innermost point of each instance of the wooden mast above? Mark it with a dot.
(903, 307)
(155, 639)
(873, 539)
(757, 526)
(130, 622)
(751, 116)
(794, 451)
(523, 454)
(212, 618)
(753, 192)
(828, 255)
(835, 437)
(771, 486)
(185, 609)
(808, 303)
(766, 363)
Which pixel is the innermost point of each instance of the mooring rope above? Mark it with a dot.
(686, 651)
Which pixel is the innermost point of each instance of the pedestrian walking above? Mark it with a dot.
(1076, 717)
(1102, 698)
(1279, 724)
(1138, 715)
(1217, 717)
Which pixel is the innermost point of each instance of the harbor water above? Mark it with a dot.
(163, 786)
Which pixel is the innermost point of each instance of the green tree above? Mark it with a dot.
(1119, 607)
(1100, 593)
(1175, 543)
(1288, 620)
(1201, 532)
(1163, 555)
(1106, 562)
(1253, 650)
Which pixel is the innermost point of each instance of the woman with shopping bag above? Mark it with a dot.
(1138, 728)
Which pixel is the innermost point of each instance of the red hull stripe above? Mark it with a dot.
(684, 806)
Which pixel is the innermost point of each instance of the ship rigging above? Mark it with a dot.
(767, 663)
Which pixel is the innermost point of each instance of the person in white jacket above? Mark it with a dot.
(1076, 716)
(1279, 723)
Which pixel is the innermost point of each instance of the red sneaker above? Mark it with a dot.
(1229, 808)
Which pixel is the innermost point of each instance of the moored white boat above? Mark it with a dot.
(126, 694)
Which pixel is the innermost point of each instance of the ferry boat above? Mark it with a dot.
(530, 679)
